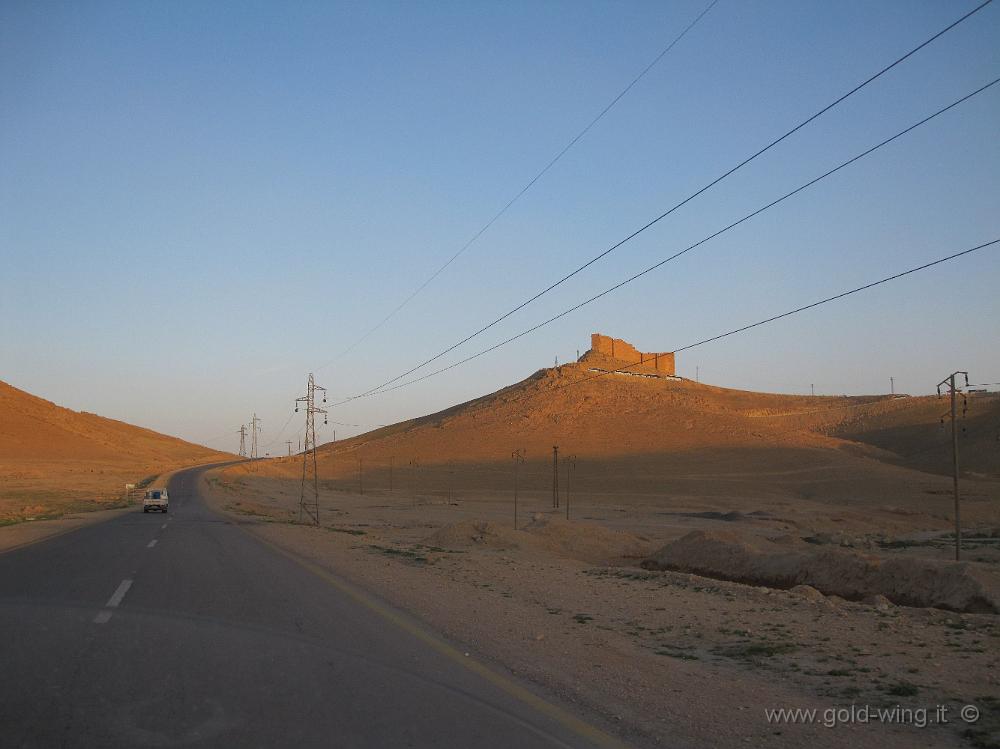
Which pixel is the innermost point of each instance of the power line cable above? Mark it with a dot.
(224, 435)
(529, 185)
(839, 296)
(690, 197)
(795, 311)
(676, 255)
(801, 309)
(281, 432)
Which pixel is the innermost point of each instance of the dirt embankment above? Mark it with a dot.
(787, 562)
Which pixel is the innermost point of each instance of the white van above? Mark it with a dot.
(155, 499)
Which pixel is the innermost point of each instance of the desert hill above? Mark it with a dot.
(646, 437)
(53, 458)
(917, 433)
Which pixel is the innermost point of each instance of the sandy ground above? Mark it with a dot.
(669, 658)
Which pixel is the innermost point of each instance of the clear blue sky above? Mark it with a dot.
(202, 202)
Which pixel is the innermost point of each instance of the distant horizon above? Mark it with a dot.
(370, 428)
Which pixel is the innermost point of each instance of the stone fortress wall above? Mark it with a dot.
(615, 348)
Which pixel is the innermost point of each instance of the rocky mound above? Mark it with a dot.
(585, 541)
(955, 586)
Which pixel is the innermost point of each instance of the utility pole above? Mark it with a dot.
(310, 472)
(243, 440)
(254, 431)
(570, 468)
(415, 465)
(812, 389)
(953, 390)
(892, 385)
(289, 443)
(518, 456)
(555, 476)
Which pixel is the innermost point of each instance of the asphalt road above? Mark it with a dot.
(184, 630)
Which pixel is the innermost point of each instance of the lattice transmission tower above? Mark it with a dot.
(243, 440)
(254, 431)
(954, 389)
(309, 505)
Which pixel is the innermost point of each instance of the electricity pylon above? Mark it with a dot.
(254, 431)
(310, 474)
(243, 440)
(953, 390)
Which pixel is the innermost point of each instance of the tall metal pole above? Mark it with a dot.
(950, 381)
(555, 476)
(892, 385)
(518, 456)
(570, 467)
(954, 469)
(254, 431)
(310, 469)
(415, 465)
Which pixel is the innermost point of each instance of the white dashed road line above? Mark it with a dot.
(113, 602)
(151, 544)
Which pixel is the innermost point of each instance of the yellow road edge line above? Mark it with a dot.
(559, 715)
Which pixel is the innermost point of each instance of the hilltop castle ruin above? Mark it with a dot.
(604, 348)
